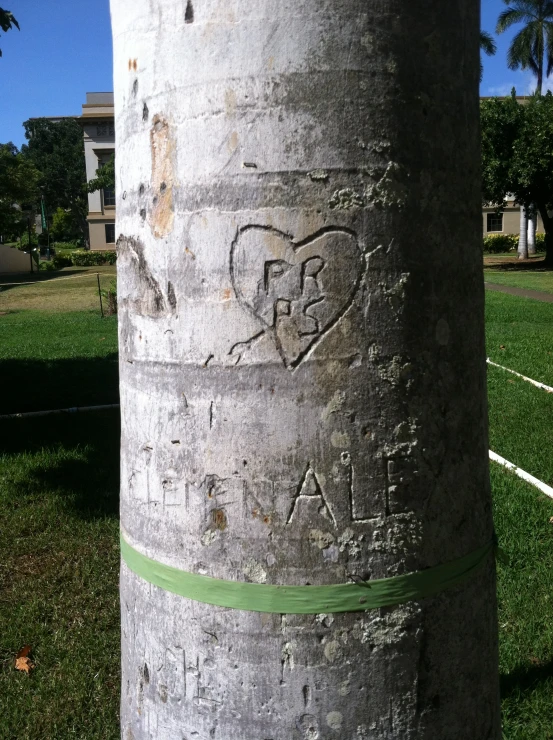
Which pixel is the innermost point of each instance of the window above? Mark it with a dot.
(109, 197)
(495, 222)
(110, 233)
(105, 128)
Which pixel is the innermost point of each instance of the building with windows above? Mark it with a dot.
(507, 221)
(97, 120)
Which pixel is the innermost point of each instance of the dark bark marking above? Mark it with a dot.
(145, 112)
(148, 293)
(171, 297)
(219, 519)
(189, 13)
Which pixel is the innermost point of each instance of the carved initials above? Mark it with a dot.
(309, 489)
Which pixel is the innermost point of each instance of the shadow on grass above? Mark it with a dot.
(35, 277)
(38, 385)
(72, 457)
(532, 265)
(525, 678)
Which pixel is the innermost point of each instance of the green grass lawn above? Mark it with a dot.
(57, 360)
(59, 563)
(519, 335)
(541, 281)
(59, 479)
(505, 269)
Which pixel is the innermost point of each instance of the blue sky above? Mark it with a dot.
(498, 79)
(64, 50)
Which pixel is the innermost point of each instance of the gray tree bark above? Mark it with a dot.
(302, 363)
(522, 250)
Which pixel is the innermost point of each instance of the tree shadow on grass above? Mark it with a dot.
(35, 277)
(525, 677)
(36, 385)
(75, 458)
(533, 265)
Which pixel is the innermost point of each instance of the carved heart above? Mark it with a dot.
(297, 290)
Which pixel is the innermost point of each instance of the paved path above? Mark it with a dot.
(537, 295)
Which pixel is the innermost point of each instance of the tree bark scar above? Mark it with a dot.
(144, 293)
(163, 149)
(189, 13)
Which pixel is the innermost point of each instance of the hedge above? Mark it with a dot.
(497, 243)
(80, 258)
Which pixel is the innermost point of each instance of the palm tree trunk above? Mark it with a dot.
(523, 235)
(548, 228)
(532, 217)
(302, 386)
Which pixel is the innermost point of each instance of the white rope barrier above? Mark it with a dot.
(72, 410)
(528, 380)
(543, 487)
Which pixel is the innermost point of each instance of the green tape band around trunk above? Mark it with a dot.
(342, 597)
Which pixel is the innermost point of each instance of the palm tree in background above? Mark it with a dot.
(488, 46)
(532, 47)
(7, 21)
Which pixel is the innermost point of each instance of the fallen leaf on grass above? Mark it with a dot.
(535, 661)
(22, 660)
(501, 346)
(551, 520)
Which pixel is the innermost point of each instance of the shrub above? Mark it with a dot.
(47, 266)
(540, 242)
(496, 243)
(80, 258)
(111, 298)
(61, 260)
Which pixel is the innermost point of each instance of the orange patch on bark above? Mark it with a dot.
(162, 145)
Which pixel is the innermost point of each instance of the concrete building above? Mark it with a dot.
(13, 260)
(99, 144)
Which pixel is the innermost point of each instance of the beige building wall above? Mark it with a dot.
(97, 120)
(13, 260)
(508, 222)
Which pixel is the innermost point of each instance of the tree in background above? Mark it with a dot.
(488, 46)
(56, 149)
(105, 177)
(62, 225)
(7, 21)
(517, 155)
(532, 47)
(18, 190)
